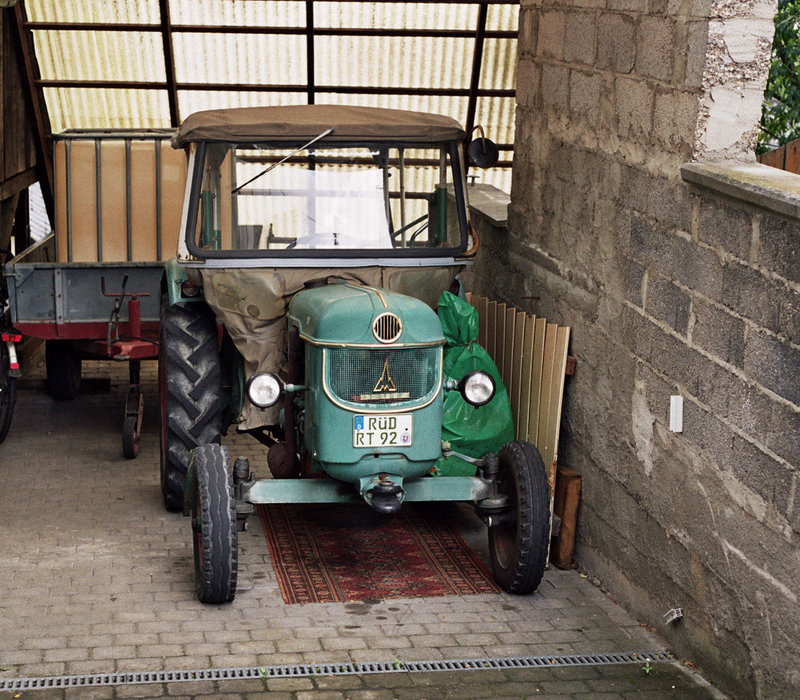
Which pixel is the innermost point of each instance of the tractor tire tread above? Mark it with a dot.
(192, 387)
(533, 527)
(216, 571)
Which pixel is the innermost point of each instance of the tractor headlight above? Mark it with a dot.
(264, 390)
(477, 388)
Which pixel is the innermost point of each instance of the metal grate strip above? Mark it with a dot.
(331, 669)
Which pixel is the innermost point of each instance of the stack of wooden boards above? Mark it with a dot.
(531, 355)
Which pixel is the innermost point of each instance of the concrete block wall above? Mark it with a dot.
(671, 289)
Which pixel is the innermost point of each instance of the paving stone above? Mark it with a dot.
(292, 684)
(119, 591)
(140, 690)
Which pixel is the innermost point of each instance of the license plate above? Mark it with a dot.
(382, 431)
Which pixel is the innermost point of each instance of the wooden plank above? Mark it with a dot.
(143, 192)
(540, 327)
(545, 436)
(508, 350)
(500, 338)
(173, 183)
(516, 368)
(60, 222)
(480, 305)
(557, 387)
(491, 315)
(83, 189)
(552, 412)
(792, 162)
(113, 195)
(565, 506)
(526, 379)
(774, 159)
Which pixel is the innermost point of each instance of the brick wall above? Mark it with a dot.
(670, 289)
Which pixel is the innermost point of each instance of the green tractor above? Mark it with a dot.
(316, 241)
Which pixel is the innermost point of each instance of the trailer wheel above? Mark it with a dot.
(130, 437)
(518, 543)
(8, 391)
(63, 365)
(190, 388)
(214, 530)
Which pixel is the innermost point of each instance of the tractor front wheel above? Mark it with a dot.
(214, 531)
(518, 542)
(190, 388)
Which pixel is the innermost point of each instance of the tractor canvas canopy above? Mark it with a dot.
(297, 122)
(324, 181)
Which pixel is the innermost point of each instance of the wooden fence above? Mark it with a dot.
(786, 157)
(531, 354)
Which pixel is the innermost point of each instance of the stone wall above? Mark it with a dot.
(671, 288)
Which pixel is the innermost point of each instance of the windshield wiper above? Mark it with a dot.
(283, 160)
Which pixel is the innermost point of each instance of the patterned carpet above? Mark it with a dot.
(332, 553)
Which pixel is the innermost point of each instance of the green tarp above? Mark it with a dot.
(469, 430)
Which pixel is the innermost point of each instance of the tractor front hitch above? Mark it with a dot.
(243, 479)
(494, 508)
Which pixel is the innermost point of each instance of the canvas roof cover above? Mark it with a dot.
(307, 121)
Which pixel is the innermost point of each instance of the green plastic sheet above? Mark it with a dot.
(470, 430)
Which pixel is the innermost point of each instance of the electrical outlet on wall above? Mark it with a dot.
(676, 414)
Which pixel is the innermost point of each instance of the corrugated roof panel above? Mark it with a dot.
(275, 13)
(98, 108)
(119, 11)
(99, 55)
(368, 62)
(240, 58)
(190, 101)
(499, 177)
(496, 116)
(502, 17)
(499, 65)
(393, 61)
(455, 107)
(395, 15)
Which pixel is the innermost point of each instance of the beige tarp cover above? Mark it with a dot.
(252, 304)
(298, 122)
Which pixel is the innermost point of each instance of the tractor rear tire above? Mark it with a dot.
(190, 387)
(214, 529)
(63, 365)
(518, 543)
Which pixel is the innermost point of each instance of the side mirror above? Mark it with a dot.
(482, 152)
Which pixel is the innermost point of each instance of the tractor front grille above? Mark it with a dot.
(383, 377)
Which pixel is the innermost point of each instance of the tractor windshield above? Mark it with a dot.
(327, 200)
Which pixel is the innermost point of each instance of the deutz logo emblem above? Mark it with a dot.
(385, 383)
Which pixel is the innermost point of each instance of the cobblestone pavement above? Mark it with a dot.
(98, 578)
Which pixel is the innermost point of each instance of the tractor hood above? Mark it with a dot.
(351, 314)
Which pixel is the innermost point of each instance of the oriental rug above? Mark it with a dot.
(334, 553)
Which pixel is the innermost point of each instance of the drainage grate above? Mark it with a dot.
(331, 669)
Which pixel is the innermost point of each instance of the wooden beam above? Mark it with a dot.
(310, 92)
(169, 63)
(19, 182)
(261, 30)
(272, 87)
(37, 106)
